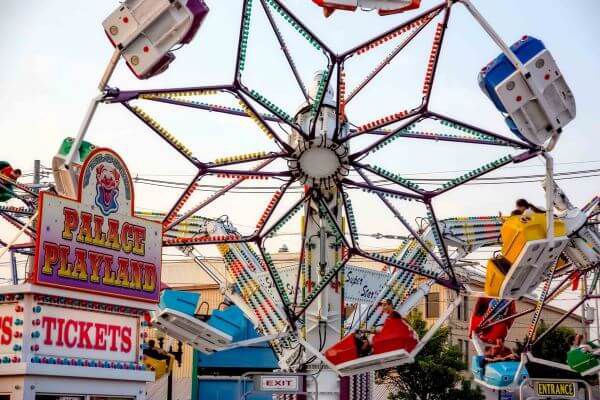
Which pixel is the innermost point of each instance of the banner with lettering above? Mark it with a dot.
(287, 273)
(7, 323)
(95, 243)
(363, 285)
(88, 334)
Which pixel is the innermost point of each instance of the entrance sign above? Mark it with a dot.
(88, 334)
(551, 389)
(95, 243)
(554, 389)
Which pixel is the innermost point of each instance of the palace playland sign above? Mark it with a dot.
(95, 243)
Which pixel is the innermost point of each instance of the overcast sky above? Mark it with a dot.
(54, 53)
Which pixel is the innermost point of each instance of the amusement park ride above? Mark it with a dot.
(313, 328)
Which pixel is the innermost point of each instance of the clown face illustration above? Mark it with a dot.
(107, 188)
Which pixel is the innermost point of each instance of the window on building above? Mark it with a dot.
(432, 305)
(109, 398)
(463, 346)
(462, 311)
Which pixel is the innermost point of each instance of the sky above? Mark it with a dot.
(55, 51)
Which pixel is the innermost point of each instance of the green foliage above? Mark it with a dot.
(553, 347)
(436, 372)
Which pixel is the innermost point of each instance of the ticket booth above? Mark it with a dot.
(62, 344)
(76, 329)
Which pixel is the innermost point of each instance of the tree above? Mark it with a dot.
(435, 374)
(553, 347)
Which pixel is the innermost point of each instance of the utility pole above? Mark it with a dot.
(597, 319)
(36, 175)
(36, 171)
(13, 264)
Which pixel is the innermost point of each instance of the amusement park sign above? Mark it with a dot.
(361, 285)
(95, 335)
(7, 320)
(95, 243)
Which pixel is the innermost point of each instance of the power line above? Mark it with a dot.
(416, 173)
(568, 175)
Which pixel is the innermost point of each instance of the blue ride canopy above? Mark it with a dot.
(501, 68)
(499, 374)
(233, 322)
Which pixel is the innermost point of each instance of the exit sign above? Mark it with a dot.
(277, 383)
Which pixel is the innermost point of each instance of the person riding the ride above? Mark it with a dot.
(8, 171)
(364, 340)
(499, 352)
(525, 208)
(6, 186)
(388, 308)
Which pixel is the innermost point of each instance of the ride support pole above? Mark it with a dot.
(108, 71)
(555, 292)
(83, 129)
(110, 68)
(586, 335)
(494, 36)
(549, 196)
(13, 264)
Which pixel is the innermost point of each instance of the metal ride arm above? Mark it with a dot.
(87, 119)
(242, 288)
(198, 258)
(465, 234)
(10, 213)
(399, 288)
(549, 182)
(242, 264)
(584, 247)
(18, 235)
